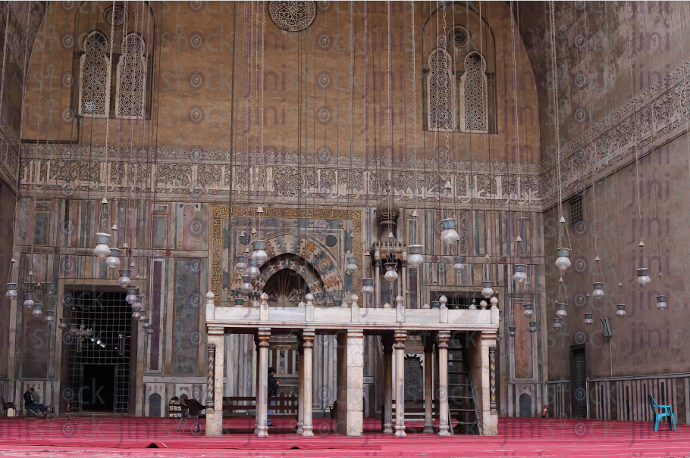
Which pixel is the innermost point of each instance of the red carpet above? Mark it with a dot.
(518, 437)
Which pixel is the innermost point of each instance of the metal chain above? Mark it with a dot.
(4, 60)
(554, 68)
(635, 149)
(414, 109)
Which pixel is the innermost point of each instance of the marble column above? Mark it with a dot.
(403, 278)
(350, 383)
(428, 385)
(377, 279)
(262, 388)
(300, 388)
(442, 345)
(480, 369)
(388, 385)
(214, 416)
(308, 369)
(399, 346)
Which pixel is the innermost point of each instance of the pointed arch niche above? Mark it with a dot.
(130, 98)
(466, 51)
(94, 77)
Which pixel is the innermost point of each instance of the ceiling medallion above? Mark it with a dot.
(292, 16)
(118, 12)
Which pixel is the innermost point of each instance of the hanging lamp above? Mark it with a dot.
(11, 286)
(415, 257)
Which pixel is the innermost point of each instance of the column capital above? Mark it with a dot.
(263, 335)
(400, 335)
(355, 333)
(308, 338)
(216, 331)
(489, 336)
(443, 338)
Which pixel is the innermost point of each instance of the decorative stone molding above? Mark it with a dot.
(66, 171)
(651, 119)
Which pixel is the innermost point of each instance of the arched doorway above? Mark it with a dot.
(286, 288)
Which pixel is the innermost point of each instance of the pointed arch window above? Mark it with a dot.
(440, 92)
(130, 98)
(474, 112)
(94, 70)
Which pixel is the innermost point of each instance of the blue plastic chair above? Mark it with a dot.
(665, 412)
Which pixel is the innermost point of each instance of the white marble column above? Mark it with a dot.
(377, 279)
(388, 385)
(262, 389)
(480, 369)
(214, 416)
(443, 337)
(308, 369)
(399, 346)
(428, 385)
(300, 388)
(403, 278)
(350, 383)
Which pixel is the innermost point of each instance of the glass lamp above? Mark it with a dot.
(246, 284)
(529, 311)
(391, 275)
(259, 254)
(131, 297)
(63, 323)
(598, 292)
(252, 270)
(11, 291)
(643, 276)
(449, 235)
(561, 312)
(661, 303)
(487, 291)
(368, 285)
(136, 314)
(415, 258)
(29, 300)
(511, 331)
(588, 318)
(38, 310)
(124, 280)
(520, 276)
(459, 264)
(557, 323)
(532, 326)
(136, 305)
(241, 265)
(621, 310)
(50, 316)
(563, 260)
(102, 250)
(113, 261)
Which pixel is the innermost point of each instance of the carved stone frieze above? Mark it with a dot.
(276, 178)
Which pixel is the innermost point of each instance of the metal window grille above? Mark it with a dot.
(575, 210)
(109, 317)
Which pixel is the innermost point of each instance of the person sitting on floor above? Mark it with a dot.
(272, 390)
(30, 402)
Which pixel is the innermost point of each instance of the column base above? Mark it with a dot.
(214, 424)
(388, 429)
(400, 431)
(307, 431)
(262, 431)
(428, 429)
(300, 428)
(443, 431)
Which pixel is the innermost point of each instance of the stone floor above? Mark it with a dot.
(518, 437)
